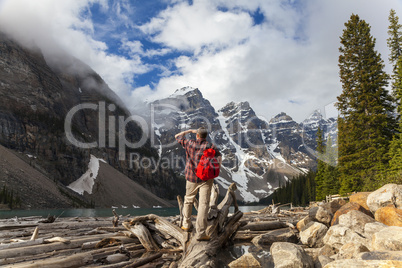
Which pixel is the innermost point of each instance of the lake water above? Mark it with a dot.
(104, 212)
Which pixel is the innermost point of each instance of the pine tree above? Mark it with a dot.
(395, 39)
(395, 46)
(395, 164)
(365, 124)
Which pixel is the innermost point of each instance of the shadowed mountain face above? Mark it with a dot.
(258, 155)
(62, 113)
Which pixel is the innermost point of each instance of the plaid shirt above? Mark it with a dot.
(194, 150)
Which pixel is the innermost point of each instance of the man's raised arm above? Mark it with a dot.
(185, 132)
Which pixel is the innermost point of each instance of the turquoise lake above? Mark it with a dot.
(104, 212)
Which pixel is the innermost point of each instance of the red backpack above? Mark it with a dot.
(208, 167)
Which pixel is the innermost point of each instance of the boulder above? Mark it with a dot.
(346, 208)
(312, 252)
(351, 250)
(339, 235)
(355, 220)
(288, 255)
(334, 205)
(116, 258)
(302, 223)
(313, 234)
(372, 228)
(364, 263)
(360, 198)
(389, 238)
(328, 251)
(321, 261)
(389, 215)
(387, 195)
(381, 255)
(247, 260)
(280, 235)
(320, 214)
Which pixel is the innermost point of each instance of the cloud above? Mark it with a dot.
(293, 54)
(192, 27)
(288, 61)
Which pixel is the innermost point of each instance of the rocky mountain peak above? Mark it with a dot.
(187, 92)
(281, 118)
(233, 108)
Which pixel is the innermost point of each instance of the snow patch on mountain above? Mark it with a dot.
(86, 182)
(241, 180)
(271, 149)
(181, 91)
(239, 151)
(239, 176)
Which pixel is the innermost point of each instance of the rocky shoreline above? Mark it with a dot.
(364, 232)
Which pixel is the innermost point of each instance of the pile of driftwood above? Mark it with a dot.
(143, 241)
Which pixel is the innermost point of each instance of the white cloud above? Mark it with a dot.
(288, 63)
(190, 27)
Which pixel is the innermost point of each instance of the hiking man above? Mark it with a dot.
(194, 151)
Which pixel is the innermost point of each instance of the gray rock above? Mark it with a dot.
(247, 260)
(280, 235)
(363, 263)
(351, 250)
(355, 220)
(373, 227)
(334, 205)
(312, 252)
(116, 258)
(313, 234)
(380, 255)
(288, 255)
(388, 239)
(339, 235)
(328, 251)
(302, 223)
(321, 261)
(321, 214)
(384, 196)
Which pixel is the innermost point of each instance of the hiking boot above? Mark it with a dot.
(203, 238)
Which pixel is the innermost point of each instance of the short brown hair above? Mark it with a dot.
(202, 133)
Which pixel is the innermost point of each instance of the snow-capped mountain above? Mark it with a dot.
(258, 155)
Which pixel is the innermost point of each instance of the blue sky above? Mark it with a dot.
(279, 55)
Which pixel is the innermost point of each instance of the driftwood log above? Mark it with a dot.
(169, 238)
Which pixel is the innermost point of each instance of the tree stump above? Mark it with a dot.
(171, 238)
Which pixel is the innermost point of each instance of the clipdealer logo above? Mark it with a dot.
(101, 142)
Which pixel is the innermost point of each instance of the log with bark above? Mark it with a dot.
(157, 234)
